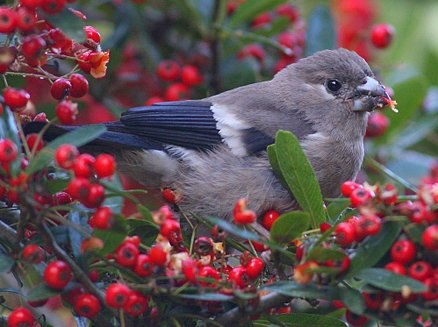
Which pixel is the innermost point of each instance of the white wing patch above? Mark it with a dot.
(230, 129)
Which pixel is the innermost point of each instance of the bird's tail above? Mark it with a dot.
(116, 138)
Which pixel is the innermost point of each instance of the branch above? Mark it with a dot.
(239, 316)
(9, 235)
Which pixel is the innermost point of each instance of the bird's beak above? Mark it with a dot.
(371, 95)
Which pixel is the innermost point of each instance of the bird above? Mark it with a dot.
(213, 151)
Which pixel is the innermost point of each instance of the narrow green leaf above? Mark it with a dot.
(77, 138)
(310, 291)
(113, 237)
(273, 161)
(322, 254)
(321, 30)
(289, 226)
(6, 263)
(145, 212)
(306, 319)
(370, 251)
(300, 176)
(233, 229)
(353, 299)
(41, 292)
(251, 8)
(388, 280)
(207, 297)
(68, 22)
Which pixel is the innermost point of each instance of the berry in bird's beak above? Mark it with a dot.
(372, 95)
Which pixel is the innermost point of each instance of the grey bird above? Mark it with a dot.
(213, 151)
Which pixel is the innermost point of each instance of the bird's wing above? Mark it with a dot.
(192, 124)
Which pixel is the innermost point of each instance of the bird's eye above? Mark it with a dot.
(333, 85)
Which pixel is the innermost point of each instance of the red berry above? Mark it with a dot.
(65, 155)
(105, 165)
(26, 19)
(168, 195)
(396, 267)
(153, 100)
(79, 188)
(203, 246)
(348, 187)
(84, 63)
(269, 218)
(158, 255)
(126, 254)
(60, 88)
(103, 218)
(170, 226)
(430, 237)
(208, 272)
(338, 304)
(377, 124)
(355, 320)
(360, 196)
(323, 227)
(177, 92)
(8, 151)
(373, 301)
(34, 142)
(92, 33)
(31, 4)
(300, 251)
(382, 35)
(168, 70)
(33, 50)
(254, 267)
(189, 269)
(420, 270)
(79, 85)
(302, 273)
(66, 112)
(38, 303)
(33, 253)
(144, 265)
(96, 196)
(344, 264)
(239, 277)
(57, 274)
(261, 20)
(136, 304)
(15, 98)
(368, 225)
(388, 195)
(117, 295)
(53, 6)
(87, 305)
(288, 10)
(432, 289)
(93, 275)
(252, 50)
(190, 76)
(83, 166)
(345, 234)
(21, 317)
(7, 20)
(403, 251)
(41, 117)
(259, 247)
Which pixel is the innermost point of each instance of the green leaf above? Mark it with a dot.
(322, 254)
(77, 138)
(306, 319)
(6, 263)
(370, 251)
(234, 73)
(335, 208)
(310, 291)
(145, 212)
(113, 237)
(41, 292)
(273, 161)
(207, 297)
(321, 31)
(114, 202)
(233, 229)
(300, 176)
(55, 185)
(68, 22)
(289, 226)
(146, 230)
(353, 299)
(388, 280)
(410, 88)
(251, 8)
